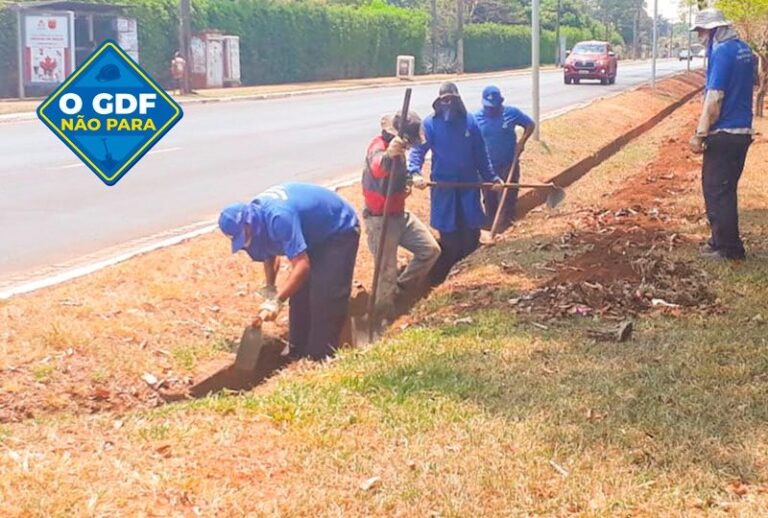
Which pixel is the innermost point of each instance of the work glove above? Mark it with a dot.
(498, 185)
(270, 308)
(697, 144)
(418, 181)
(396, 148)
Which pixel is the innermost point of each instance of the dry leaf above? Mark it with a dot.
(559, 468)
(371, 483)
(149, 379)
(738, 488)
(164, 450)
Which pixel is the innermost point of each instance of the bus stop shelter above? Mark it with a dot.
(55, 37)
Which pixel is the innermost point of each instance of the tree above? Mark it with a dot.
(751, 19)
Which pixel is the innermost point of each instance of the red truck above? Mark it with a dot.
(591, 60)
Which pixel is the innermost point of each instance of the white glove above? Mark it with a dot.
(418, 181)
(270, 308)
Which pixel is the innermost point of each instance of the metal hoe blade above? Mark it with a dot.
(249, 350)
(555, 197)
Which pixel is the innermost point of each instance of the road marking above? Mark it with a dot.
(80, 164)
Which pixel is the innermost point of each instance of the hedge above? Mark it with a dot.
(490, 46)
(302, 42)
(8, 56)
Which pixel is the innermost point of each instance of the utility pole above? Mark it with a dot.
(434, 37)
(535, 58)
(655, 49)
(20, 57)
(558, 57)
(460, 36)
(185, 30)
(690, 34)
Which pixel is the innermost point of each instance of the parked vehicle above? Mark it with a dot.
(591, 60)
(702, 53)
(685, 54)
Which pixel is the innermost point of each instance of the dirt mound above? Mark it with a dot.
(620, 267)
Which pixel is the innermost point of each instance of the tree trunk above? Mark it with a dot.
(434, 37)
(762, 89)
(635, 41)
(460, 36)
(185, 33)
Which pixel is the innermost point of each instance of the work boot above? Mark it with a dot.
(720, 255)
(711, 253)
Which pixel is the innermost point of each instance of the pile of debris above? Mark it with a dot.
(619, 264)
(663, 283)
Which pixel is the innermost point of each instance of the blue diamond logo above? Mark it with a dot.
(109, 112)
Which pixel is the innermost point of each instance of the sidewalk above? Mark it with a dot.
(11, 109)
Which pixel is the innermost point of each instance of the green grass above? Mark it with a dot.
(42, 373)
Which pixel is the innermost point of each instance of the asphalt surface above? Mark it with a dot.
(53, 209)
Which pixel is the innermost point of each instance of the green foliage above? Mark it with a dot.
(301, 42)
(490, 46)
(8, 57)
(751, 18)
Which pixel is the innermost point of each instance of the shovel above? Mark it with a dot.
(250, 345)
(555, 196)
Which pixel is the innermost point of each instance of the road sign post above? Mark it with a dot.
(535, 58)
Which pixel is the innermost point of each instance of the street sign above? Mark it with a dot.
(109, 112)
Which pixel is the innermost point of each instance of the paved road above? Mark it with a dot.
(52, 209)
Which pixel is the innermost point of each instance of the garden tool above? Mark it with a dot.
(555, 196)
(251, 344)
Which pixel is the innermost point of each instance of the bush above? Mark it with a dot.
(8, 54)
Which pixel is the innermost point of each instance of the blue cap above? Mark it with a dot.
(492, 97)
(232, 222)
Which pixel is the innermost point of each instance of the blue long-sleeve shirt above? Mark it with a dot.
(458, 155)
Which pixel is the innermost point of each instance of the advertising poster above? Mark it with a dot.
(48, 47)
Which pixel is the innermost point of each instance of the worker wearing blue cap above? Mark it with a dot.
(319, 234)
(498, 125)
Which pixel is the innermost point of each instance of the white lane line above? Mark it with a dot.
(80, 164)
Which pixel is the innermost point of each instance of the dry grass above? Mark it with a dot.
(489, 417)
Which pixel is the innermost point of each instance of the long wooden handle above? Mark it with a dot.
(385, 221)
(503, 201)
(489, 185)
